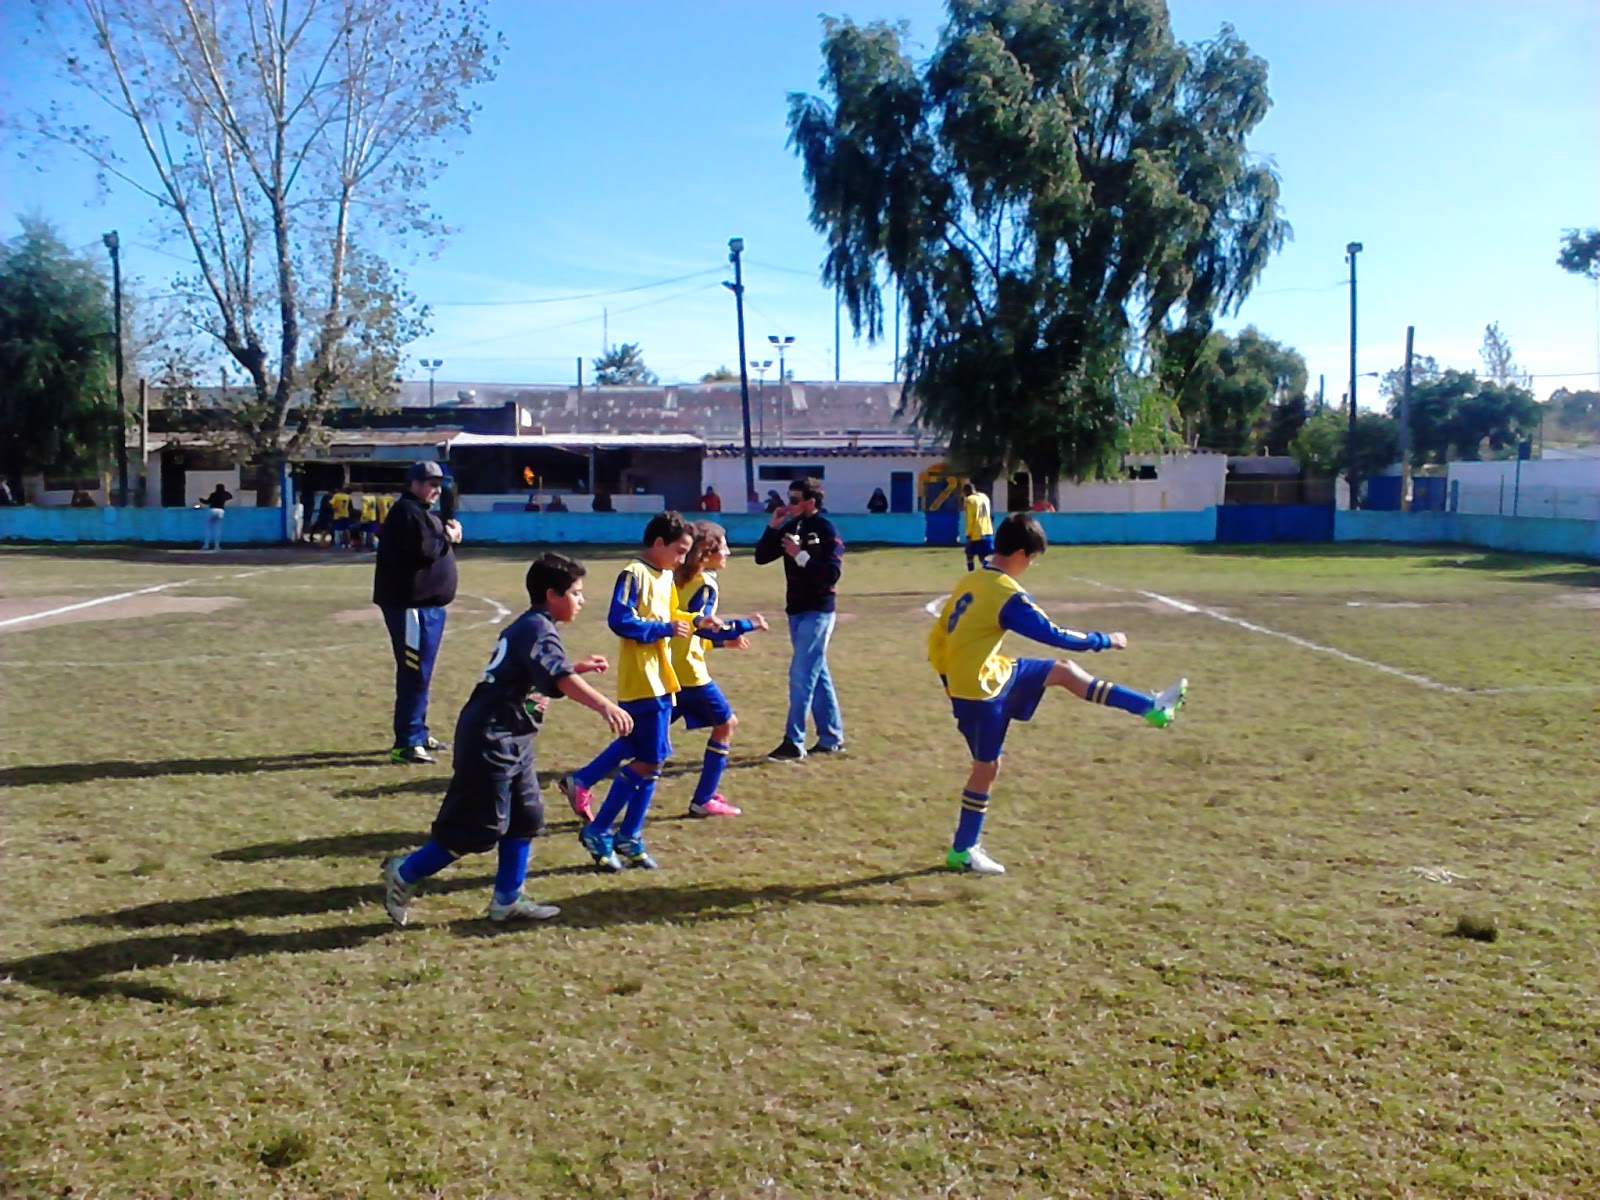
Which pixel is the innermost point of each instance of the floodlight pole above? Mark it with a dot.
(114, 245)
(735, 250)
(1351, 250)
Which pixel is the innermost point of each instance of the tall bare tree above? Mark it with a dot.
(288, 143)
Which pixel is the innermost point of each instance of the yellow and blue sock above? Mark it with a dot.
(513, 869)
(974, 807)
(638, 806)
(428, 859)
(1103, 691)
(711, 769)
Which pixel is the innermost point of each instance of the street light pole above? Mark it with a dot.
(735, 250)
(1351, 250)
(114, 245)
(432, 365)
(761, 369)
(782, 344)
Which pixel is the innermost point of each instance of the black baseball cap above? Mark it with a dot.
(424, 470)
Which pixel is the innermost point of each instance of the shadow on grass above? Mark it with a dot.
(262, 902)
(692, 903)
(1513, 566)
(344, 845)
(436, 784)
(87, 971)
(91, 772)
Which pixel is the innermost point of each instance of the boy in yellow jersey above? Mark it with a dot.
(341, 515)
(979, 526)
(988, 691)
(646, 616)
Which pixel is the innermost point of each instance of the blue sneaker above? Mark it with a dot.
(601, 847)
(635, 855)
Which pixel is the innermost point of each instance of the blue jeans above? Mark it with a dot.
(414, 634)
(810, 684)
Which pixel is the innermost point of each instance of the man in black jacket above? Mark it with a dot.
(813, 560)
(414, 580)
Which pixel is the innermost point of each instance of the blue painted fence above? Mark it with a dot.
(1567, 537)
(179, 526)
(1256, 523)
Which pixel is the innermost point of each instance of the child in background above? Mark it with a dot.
(493, 798)
(701, 703)
(988, 690)
(645, 616)
(979, 526)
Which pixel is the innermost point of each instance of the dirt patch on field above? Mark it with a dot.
(1576, 600)
(129, 609)
(358, 616)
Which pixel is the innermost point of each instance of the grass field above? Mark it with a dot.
(1227, 960)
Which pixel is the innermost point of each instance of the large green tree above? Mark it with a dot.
(1580, 253)
(1455, 415)
(1056, 190)
(286, 144)
(1245, 393)
(58, 409)
(1324, 446)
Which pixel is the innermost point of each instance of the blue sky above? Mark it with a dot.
(625, 141)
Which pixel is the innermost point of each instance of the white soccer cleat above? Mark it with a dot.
(522, 909)
(397, 893)
(974, 860)
(1167, 703)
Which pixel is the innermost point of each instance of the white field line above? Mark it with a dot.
(159, 587)
(497, 616)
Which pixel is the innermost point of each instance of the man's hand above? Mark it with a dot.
(452, 530)
(595, 664)
(618, 718)
(681, 628)
(779, 516)
(791, 544)
(1119, 641)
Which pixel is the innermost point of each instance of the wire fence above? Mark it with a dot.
(1506, 498)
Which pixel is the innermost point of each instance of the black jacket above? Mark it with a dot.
(416, 567)
(811, 587)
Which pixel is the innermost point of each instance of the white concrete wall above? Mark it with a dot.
(1546, 488)
(197, 486)
(848, 481)
(1182, 484)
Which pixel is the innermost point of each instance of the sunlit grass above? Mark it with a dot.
(1330, 935)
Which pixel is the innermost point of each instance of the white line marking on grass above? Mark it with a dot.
(934, 607)
(66, 608)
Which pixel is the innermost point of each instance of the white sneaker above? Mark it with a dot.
(397, 893)
(976, 860)
(1167, 703)
(522, 909)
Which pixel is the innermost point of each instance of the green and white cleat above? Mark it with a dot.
(1167, 703)
(974, 861)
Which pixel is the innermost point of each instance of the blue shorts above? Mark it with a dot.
(702, 707)
(648, 742)
(341, 524)
(981, 547)
(984, 722)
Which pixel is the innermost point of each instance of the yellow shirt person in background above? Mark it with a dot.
(979, 526)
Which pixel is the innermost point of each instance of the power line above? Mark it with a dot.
(506, 337)
(639, 287)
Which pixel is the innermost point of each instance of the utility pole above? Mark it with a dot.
(144, 439)
(782, 344)
(1322, 388)
(1405, 426)
(432, 366)
(114, 245)
(1351, 250)
(836, 335)
(735, 249)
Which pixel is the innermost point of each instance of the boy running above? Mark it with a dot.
(978, 524)
(988, 691)
(493, 798)
(645, 616)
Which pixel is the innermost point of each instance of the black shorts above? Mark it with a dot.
(493, 793)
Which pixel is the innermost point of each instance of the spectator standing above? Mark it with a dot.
(878, 503)
(414, 581)
(216, 502)
(710, 502)
(774, 501)
(813, 560)
(602, 502)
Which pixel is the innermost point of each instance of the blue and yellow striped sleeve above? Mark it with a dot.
(1022, 616)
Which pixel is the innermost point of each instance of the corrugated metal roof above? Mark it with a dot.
(597, 441)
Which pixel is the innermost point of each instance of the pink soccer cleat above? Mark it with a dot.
(579, 798)
(714, 807)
